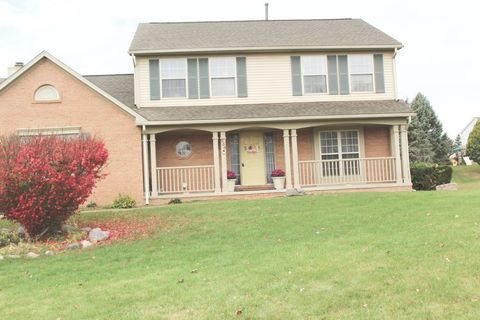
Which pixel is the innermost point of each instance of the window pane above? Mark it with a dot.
(183, 149)
(314, 65)
(315, 84)
(349, 141)
(173, 88)
(329, 142)
(361, 63)
(222, 67)
(173, 68)
(223, 87)
(361, 82)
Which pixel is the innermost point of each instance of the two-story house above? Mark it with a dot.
(315, 98)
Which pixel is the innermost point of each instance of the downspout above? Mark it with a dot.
(146, 184)
(395, 74)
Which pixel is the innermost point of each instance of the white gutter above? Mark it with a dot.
(265, 49)
(283, 119)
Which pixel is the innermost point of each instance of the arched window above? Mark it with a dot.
(47, 93)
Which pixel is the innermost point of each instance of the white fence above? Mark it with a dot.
(185, 179)
(347, 171)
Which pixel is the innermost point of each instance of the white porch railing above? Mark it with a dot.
(185, 179)
(346, 171)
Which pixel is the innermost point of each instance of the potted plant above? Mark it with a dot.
(231, 181)
(278, 176)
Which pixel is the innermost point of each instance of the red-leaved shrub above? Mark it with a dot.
(44, 179)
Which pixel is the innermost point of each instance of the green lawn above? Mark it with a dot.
(337, 256)
(468, 177)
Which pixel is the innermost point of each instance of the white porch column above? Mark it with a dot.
(405, 154)
(146, 184)
(216, 164)
(397, 153)
(286, 148)
(223, 155)
(153, 165)
(296, 176)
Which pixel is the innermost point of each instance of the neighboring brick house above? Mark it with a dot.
(316, 98)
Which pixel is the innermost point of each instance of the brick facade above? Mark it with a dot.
(377, 142)
(79, 106)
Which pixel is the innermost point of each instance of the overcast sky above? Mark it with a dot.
(441, 38)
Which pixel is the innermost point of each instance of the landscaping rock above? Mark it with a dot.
(73, 246)
(31, 255)
(447, 187)
(86, 229)
(12, 256)
(294, 192)
(1, 257)
(21, 232)
(49, 253)
(86, 244)
(67, 229)
(98, 235)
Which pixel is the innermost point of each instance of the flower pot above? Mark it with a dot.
(231, 185)
(279, 183)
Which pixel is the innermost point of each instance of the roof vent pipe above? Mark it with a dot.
(266, 11)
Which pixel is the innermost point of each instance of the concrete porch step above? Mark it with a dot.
(254, 188)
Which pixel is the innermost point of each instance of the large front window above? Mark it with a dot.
(222, 74)
(174, 74)
(339, 151)
(361, 72)
(314, 71)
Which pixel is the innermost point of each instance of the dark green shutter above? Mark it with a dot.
(332, 75)
(242, 77)
(343, 74)
(379, 77)
(296, 76)
(154, 71)
(192, 78)
(204, 78)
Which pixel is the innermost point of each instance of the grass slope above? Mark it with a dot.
(349, 256)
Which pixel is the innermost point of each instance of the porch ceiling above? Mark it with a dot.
(277, 111)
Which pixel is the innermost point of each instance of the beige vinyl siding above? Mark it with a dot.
(269, 80)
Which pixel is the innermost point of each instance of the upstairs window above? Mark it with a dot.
(46, 93)
(314, 72)
(174, 75)
(222, 75)
(361, 72)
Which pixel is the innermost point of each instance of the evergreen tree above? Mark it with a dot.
(473, 144)
(458, 144)
(428, 142)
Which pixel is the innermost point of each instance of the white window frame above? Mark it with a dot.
(303, 75)
(340, 153)
(162, 78)
(211, 78)
(350, 73)
(44, 86)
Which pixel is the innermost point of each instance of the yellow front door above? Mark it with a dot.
(252, 158)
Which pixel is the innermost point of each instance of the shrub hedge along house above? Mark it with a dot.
(314, 98)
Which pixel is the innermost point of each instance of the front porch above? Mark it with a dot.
(323, 156)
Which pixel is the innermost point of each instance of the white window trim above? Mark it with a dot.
(162, 78)
(35, 97)
(65, 131)
(235, 94)
(339, 143)
(350, 74)
(303, 74)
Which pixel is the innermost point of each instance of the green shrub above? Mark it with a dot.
(427, 176)
(91, 205)
(123, 202)
(8, 237)
(175, 201)
(473, 143)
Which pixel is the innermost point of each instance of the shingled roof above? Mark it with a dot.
(260, 34)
